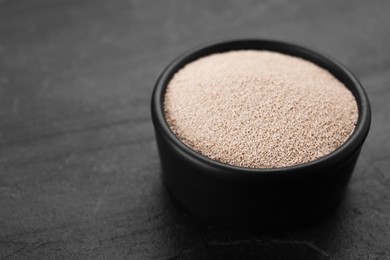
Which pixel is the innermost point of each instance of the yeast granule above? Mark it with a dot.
(259, 109)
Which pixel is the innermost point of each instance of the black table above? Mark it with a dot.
(79, 170)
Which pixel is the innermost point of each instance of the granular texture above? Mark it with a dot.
(259, 109)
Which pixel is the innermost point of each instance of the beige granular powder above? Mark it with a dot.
(259, 109)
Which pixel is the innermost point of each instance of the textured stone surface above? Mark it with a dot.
(79, 171)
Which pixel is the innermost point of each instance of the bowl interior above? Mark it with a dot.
(337, 157)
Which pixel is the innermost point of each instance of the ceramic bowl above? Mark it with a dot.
(272, 198)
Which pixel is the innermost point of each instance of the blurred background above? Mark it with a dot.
(79, 170)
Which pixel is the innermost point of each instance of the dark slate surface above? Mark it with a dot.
(79, 170)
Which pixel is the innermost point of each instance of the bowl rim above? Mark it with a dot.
(336, 158)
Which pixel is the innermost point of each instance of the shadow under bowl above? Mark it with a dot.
(257, 199)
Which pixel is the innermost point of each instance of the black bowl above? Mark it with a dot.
(257, 198)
